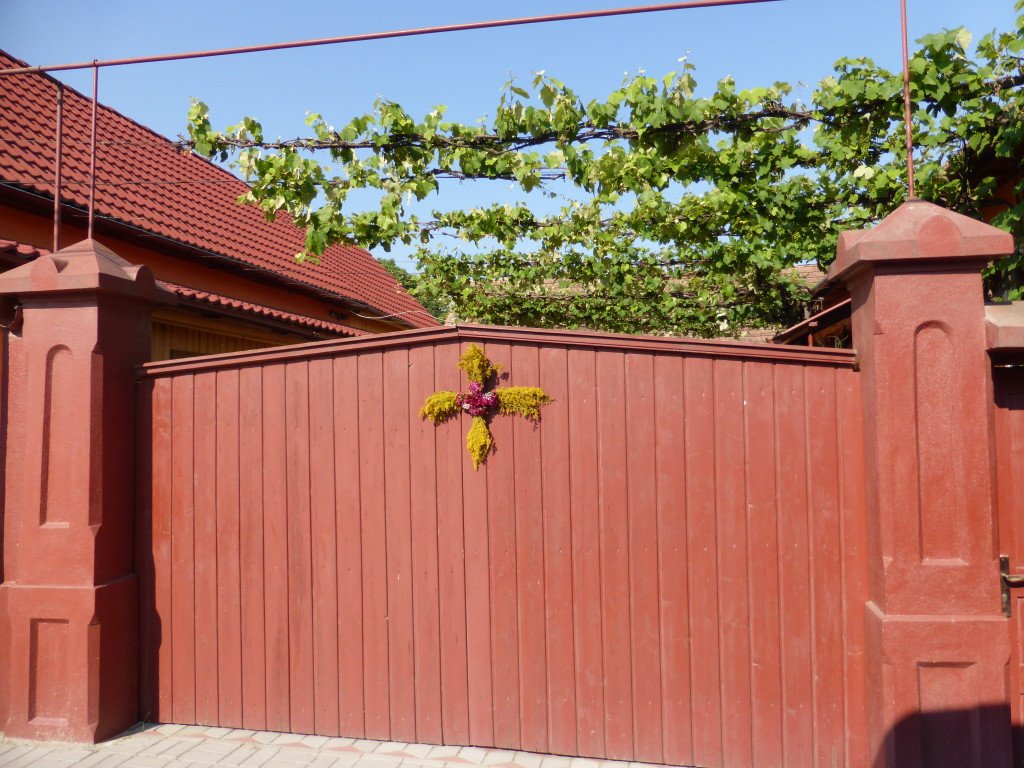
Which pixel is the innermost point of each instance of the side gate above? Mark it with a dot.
(670, 567)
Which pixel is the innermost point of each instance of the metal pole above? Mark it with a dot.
(911, 192)
(58, 163)
(388, 35)
(92, 151)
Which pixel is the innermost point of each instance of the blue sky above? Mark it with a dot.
(793, 40)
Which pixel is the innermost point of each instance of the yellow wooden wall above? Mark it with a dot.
(178, 333)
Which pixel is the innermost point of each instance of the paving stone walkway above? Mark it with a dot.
(192, 746)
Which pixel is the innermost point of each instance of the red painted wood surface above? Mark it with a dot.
(669, 568)
(1008, 386)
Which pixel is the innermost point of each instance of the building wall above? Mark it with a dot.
(178, 332)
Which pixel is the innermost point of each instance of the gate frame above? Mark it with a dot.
(935, 660)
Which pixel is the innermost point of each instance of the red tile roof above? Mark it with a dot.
(26, 252)
(143, 180)
(258, 309)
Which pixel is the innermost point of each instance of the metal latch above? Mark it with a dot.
(1008, 581)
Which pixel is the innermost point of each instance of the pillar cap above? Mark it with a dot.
(86, 266)
(919, 232)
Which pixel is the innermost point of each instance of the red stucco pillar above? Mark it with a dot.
(938, 644)
(68, 603)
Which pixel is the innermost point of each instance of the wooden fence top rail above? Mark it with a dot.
(501, 334)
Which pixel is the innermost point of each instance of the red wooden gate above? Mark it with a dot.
(670, 568)
(1008, 384)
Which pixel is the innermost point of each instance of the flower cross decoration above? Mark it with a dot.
(482, 404)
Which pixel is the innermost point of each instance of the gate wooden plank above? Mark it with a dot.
(182, 629)
(425, 530)
(374, 537)
(204, 479)
(614, 527)
(451, 456)
(558, 566)
(733, 577)
(586, 551)
(850, 439)
(671, 460)
(702, 559)
(325, 537)
(794, 564)
(351, 706)
(275, 548)
(149, 622)
(401, 659)
(160, 702)
(300, 549)
(250, 463)
(229, 623)
(763, 569)
(501, 530)
(826, 563)
(528, 473)
(478, 600)
(642, 419)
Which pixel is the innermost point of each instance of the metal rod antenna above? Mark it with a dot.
(908, 125)
(603, 13)
(58, 163)
(92, 151)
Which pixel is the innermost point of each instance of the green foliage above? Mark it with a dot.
(476, 365)
(440, 407)
(522, 401)
(479, 441)
(433, 302)
(682, 212)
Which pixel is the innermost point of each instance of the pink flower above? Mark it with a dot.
(476, 402)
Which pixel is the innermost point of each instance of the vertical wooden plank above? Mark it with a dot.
(300, 549)
(250, 489)
(826, 559)
(183, 662)
(162, 637)
(145, 458)
(614, 527)
(733, 605)
(275, 549)
(229, 620)
(501, 531)
(425, 529)
(325, 538)
(763, 563)
(850, 439)
(670, 466)
(349, 546)
(558, 587)
(642, 423)
(702, 560)
(794, 573)
(451, 457)
(529, 468)
(401, 659)
(586, 552)
(374, 538)
(478, 591)
(205, 485)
